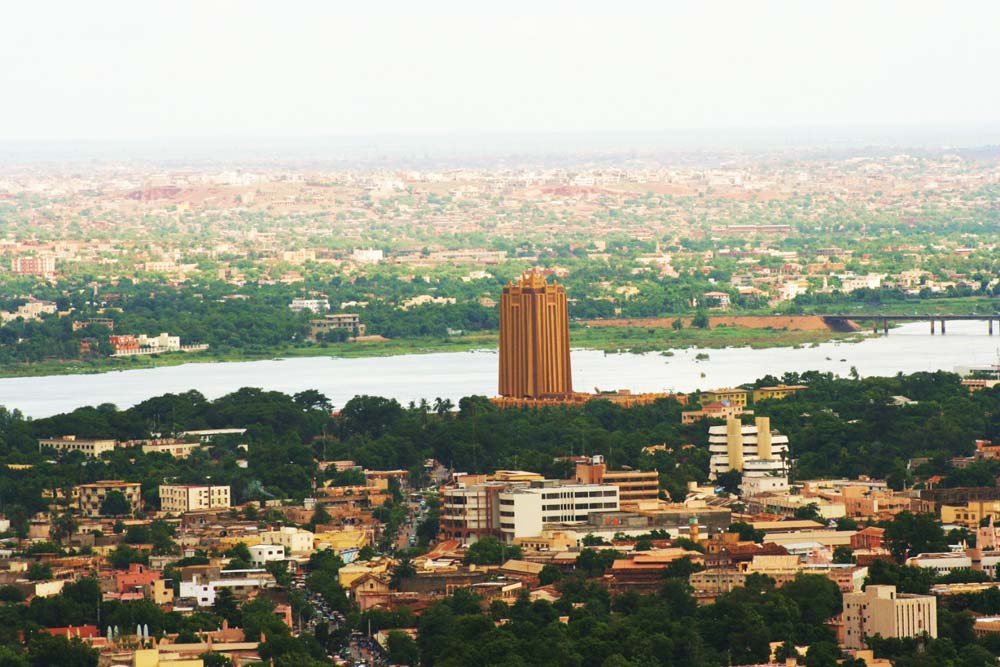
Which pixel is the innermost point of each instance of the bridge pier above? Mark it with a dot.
(932, 326)
(885, 327)
(942, 327)
(991, 326)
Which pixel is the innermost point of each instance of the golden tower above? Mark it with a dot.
(534, 340)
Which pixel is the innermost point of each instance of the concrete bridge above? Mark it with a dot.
(880, 321)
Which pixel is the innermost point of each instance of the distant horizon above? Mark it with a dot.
(462, 146)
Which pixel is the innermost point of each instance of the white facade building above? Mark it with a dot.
(524, 511)
(755, 450)
(295, 540)
(262, 554)
(180, 498)
(240, 582)
(315, 305)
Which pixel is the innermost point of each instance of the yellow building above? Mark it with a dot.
(734, 397)
(90, 497)
(352, 571)
(151, 657)
(971, 513)
(777, 392)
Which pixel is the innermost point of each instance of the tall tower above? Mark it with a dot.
(534, 339)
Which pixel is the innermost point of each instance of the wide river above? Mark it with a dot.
(407, 378)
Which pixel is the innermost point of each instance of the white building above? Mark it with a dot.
(315, 305)
(880, 610)
(262, 554)
(295, 540)
(524, 511)
(241, 582)
(755, 450)
(367, 255)
(180, 498)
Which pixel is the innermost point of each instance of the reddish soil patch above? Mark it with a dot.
(789, 322)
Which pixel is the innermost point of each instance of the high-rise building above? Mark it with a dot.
(758, 453)
(534, 340)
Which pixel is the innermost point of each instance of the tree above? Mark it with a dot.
(63, 526)
(843, 554)
(45, 650)
(730, 481)
(700, 320)
(549, 574)
(213, 659)
(808, 512)
(404, 570)
(746, 531)
(115, 504)
(490, 551)
(38, 571)
(401, 648)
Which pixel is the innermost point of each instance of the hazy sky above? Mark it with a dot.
(101, 70)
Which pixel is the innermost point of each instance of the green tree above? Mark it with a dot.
(115, 504)
(401, 648)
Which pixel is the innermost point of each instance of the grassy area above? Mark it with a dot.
(595, 338)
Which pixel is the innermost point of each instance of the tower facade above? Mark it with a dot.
(534, 339)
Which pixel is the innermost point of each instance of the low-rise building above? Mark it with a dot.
(262, 554)
(295, 540)
(880, 610)
(633, 485)
(92, 447)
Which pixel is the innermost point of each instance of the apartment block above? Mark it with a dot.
(880, 610)
(91, 496)
(180, 498)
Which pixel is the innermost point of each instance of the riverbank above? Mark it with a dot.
(606, 339)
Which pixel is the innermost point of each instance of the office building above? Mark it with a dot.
(880, 610)
(525, 510)
(534, 340)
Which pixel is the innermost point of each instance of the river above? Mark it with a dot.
(407, 378)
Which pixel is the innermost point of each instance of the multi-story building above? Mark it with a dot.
(91, 496)
(776, 392)
(70, 443)
(735, 397)
(38, 265)
(880, 610)
(525, 510)
(470, 512)
(714, 410)
(633, 485)
(180, 498)
(757, 452)
(350, 322)
(534, 340)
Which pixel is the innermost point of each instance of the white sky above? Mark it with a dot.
(110, 70)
